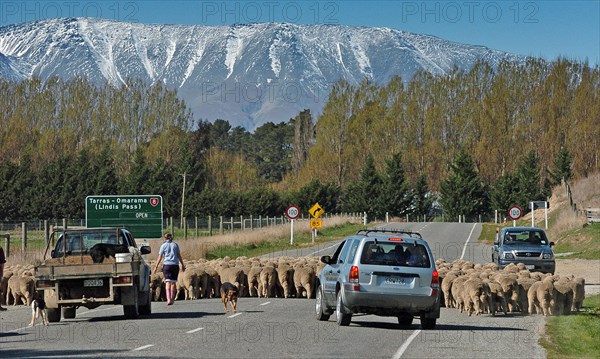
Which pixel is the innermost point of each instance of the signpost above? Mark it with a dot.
(315, 211)
(539, 204)
(292, 212)
(142, 215)
(515, 213)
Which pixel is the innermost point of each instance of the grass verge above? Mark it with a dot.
(574, 336)
(583, 243)
(282, 243)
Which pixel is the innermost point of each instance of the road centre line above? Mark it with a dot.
(467, 242)
(322, 249)
(194, 330)
(142, 348)
(405, 345)
(265, 303)
(234, 315)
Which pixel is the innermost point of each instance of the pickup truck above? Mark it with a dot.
(69, 278)
(527, 245)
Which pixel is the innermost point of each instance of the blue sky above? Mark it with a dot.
(545, 29)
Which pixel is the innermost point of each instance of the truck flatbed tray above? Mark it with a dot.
(97, 269)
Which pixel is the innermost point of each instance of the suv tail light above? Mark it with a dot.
(353, 278)
(435, 282)
(122, 280)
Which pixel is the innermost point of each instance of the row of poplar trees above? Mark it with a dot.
(503, 135)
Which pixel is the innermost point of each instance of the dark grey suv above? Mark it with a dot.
(382, 272)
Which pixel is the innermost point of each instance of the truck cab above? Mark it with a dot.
(527, 245)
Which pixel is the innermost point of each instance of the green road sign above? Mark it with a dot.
(142, 215)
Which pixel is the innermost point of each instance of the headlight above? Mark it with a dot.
(548, 256)
(508, 256)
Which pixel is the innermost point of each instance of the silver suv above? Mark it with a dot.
(383, 272)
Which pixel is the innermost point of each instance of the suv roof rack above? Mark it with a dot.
(397, 231)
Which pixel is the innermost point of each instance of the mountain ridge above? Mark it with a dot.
(248, 74)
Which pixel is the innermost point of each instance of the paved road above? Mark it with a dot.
(279, 328)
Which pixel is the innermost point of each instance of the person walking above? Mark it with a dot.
(169, 250)
(2, 261)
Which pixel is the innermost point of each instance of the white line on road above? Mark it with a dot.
(194, 330)
(405, 345)
(234, 315)
(99, 310)
(322, 249)
(265, 303)
(467, 242)
(142, 348)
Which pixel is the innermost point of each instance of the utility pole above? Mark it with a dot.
(183, 197)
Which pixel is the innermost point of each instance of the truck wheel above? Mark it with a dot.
(428, 323)
(53, 315)
(68, 312)
(146, 307)
(343, 319)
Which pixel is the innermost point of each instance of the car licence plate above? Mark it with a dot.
(530, 266)
(395, 280)
(93, 283)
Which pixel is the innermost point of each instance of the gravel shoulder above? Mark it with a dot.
(586, 268)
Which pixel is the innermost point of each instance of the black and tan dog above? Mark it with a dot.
(104, 250)
(38, 307)
(229, 293)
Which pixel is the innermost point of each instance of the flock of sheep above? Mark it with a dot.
(472, 288)
(281, 277)
(483, 288)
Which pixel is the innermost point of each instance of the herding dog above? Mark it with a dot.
(229, 293)
(100, 251)
(38, 307)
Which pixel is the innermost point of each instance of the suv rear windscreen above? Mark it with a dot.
(395, 254)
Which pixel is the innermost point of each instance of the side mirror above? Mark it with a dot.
(496, 243)
(325, 259)
(145, 249)
(52, 253)
(551, 244)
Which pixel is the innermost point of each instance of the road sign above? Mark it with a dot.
(515, 213)
(316, 223)
(316, 211)
(142, 215)
(292, 212)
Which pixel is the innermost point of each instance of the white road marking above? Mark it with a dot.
(194, 330)
(405, 345)
(265, 303)
(322, 249)
(98, 310)
(467, 242)
(234, 315)
(142, 348)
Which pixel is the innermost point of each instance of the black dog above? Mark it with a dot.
(104, 250)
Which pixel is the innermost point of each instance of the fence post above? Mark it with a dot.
(220, 224)
(242, 224)
(185, 227)
(23, 238)
(46, 232)
(196, 226)
(210, 225)
(231, 225)
(172, 227)
(251, 222)
(7, 244)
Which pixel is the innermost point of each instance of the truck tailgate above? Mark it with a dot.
(92, 270)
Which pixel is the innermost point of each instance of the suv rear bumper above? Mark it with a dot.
(390, 304)
(544, 266)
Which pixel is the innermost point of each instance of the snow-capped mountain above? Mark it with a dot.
(247, 74)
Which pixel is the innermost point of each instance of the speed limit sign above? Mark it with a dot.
(514, 213)
(292, 212)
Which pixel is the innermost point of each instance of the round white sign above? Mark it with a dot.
(292, 212)
(514, 213)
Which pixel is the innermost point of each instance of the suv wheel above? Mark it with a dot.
(428, 323)
(342, 319)
(319, 305)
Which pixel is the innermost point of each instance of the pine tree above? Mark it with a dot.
(463, 192)
(529, 180)
(395, 186)
(421, 198)
(563, 161)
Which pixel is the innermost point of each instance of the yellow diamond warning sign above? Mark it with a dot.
(316, 211)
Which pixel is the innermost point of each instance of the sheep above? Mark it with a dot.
(269, 281)
(254, 287)
(235, 276)
(285, 275)
(188, 283)
(578, 285)
(498, 300)
(20, 289)
(542, 297)
(564, 296)
(157, 287)
(447, 287)
(457, 292)
(523, 286)
(511, 292)
(476, 296)
(304, 280)
(213, 285)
